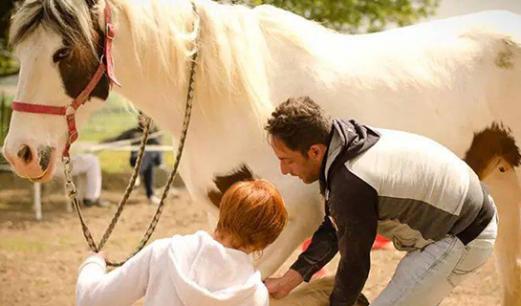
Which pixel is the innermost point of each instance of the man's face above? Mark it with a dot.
(306, 167)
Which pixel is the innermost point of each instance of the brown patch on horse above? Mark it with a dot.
(77, 69)
(243, 173)
(504, 58)
(496, 140)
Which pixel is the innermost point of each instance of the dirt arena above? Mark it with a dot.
(39, 260)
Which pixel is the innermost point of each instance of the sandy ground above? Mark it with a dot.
(39, 259)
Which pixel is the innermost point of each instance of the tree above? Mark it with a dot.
(357, 15)
(8, 66)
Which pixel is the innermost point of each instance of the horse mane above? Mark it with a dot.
(234, 57)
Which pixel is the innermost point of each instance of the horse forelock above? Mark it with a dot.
(72, 20)
(75, 22)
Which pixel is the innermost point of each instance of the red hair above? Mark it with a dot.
(252, 213)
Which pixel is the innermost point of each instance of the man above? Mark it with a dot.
(406, 187)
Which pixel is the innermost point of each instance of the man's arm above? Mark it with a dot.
(353, 205)
(323, 247)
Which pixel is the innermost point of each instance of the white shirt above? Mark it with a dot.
(182, 270)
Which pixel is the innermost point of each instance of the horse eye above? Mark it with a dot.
(61, 54)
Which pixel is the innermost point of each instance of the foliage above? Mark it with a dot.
(8, 65)
(357, 15)
(5, 114)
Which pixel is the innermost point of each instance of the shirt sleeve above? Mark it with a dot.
(323, 247)
(262, 297)
(122, 286)
(354, 210)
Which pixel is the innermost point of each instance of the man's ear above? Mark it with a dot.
(316, 151)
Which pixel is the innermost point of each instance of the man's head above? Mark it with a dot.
(299, 130)
(251, 215)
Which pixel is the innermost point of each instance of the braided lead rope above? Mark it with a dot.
(159, 210)
(173, 173)
(71, 188)
(72, 193)
(130, 186)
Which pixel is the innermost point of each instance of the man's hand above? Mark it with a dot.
(282, 286)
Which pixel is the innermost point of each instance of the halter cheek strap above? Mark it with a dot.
(106, 66)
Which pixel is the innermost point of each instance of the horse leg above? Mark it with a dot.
(304, 219)
(504, 185)
(277, 253)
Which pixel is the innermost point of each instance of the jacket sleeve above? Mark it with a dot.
(122, 286)
(353, 205)
(323, 247)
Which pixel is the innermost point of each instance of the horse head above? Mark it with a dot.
(59, 45)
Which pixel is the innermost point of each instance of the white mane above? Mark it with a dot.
(228, 69)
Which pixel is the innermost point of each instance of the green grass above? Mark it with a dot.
(22, 245)
(113, 118)
(5, 112)
(118, 162)
(108, 122)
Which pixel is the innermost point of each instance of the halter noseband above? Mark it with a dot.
(106, 65)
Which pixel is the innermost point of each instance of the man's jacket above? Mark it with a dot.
(405, 187)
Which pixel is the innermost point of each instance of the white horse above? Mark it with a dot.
(446, 79)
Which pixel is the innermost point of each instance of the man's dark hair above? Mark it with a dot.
(300, 123)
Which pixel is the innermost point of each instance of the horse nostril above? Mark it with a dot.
(25, 154)
(44, 155)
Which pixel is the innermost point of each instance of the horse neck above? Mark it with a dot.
(225, 87)
(140, 67)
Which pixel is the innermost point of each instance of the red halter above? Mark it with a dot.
(106, 66)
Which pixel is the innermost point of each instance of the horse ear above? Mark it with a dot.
(91, 3)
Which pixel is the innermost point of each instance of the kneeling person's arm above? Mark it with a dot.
(122, 286)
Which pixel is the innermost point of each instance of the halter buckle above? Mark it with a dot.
(110, 33)
(70, 110)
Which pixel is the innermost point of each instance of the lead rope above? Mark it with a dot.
(72, 191)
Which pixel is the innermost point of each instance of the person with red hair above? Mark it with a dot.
(199, 269)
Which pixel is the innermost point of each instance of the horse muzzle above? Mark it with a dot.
(30, 162)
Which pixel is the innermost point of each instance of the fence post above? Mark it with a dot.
(2, 118)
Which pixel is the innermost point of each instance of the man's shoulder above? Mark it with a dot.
(345, 178)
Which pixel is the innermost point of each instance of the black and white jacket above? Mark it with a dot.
(405, 187)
